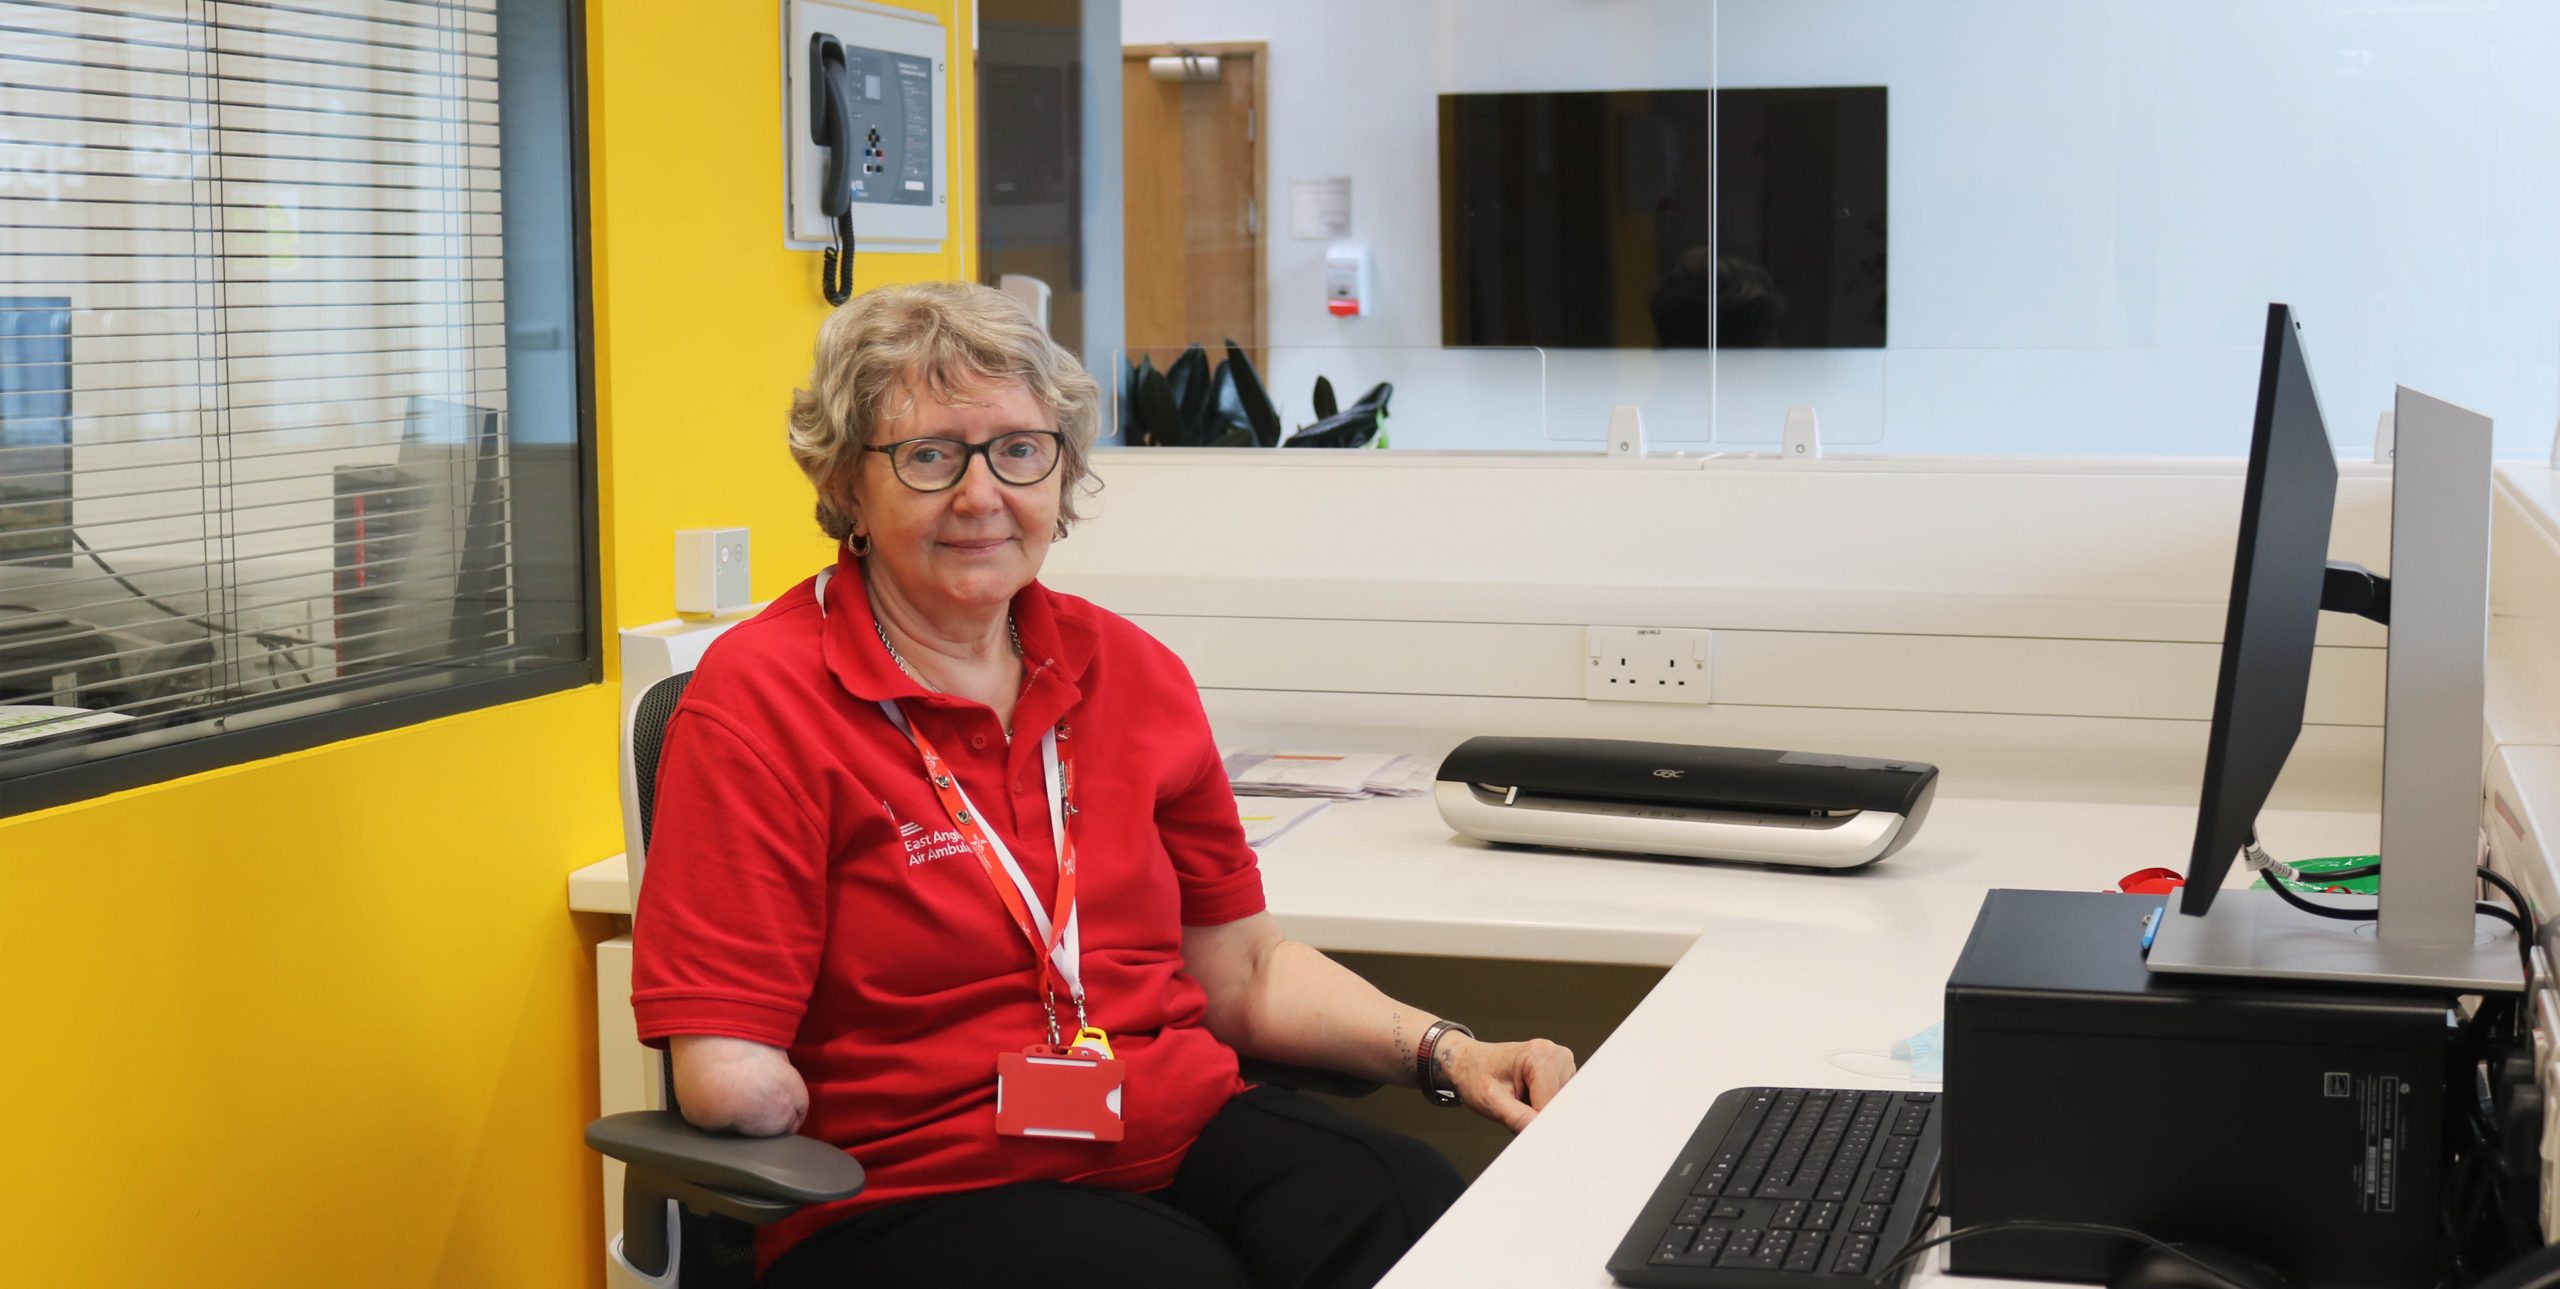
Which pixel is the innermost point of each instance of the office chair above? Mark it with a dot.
(1159, 416)
(1352, 427)
(691, 1197)
(1253, 400)
(1188, 379)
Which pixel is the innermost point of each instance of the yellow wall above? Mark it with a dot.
(705, 320)
(325, 1019)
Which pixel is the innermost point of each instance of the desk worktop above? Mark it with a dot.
(1386, 876)
(1776, 976)
(1789, 979)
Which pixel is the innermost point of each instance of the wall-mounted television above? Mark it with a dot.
(1677, 219)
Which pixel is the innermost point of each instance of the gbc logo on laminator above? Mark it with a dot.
(1666, 774)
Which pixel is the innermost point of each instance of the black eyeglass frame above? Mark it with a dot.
(1057, 445)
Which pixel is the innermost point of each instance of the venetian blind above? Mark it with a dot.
(253, 441)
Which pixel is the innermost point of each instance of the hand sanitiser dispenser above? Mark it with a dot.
(1743, 805)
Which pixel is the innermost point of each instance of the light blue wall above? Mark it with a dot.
(1105, 309)
(2092, 202)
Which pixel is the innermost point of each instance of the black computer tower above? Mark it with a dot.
(2304, 1125)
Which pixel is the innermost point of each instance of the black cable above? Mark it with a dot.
(2505, 887)
(1918, 1247)
(2507, 916)
(2276, 884)
(203, 620)
(2287, 893)
(835, 276)
(271, 641)
(2493, 1015)
(2524, 936)
(2521, 919)
(2343, 874)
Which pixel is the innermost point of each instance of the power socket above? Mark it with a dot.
(1647, 664)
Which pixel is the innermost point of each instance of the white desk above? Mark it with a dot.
(1773, 974)
(1786, 972)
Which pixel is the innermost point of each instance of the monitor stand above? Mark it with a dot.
(2257, 934)
(2428, 934)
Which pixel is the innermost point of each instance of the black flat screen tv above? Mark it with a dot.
(1675, 219)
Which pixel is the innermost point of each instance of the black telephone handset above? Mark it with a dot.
(831, 128)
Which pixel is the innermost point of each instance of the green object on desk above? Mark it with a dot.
(2333, 864)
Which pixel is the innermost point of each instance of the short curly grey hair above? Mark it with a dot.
(938, 339)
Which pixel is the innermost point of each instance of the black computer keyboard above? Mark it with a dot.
(1788, 1187)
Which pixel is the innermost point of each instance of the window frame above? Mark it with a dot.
(144, 766)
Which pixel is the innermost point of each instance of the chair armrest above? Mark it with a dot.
(1300, 1078)
(799, 1170)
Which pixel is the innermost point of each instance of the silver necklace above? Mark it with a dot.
(1012, 633)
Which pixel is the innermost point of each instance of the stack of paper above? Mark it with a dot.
(1405, 776)
(1340, 776)
(1257, 773)
(1265, 818)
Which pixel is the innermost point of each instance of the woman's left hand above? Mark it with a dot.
(1508, 1083)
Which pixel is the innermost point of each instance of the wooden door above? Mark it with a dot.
(1191, 157)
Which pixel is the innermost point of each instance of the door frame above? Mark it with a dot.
(1259, 135)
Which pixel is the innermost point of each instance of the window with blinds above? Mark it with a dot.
(291, 392)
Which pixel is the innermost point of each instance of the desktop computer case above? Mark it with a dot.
(2304, 1125)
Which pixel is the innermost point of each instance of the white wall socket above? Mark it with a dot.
(1647, 664)
(1626, 432)
(1801, 440)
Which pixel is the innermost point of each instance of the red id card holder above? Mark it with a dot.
(1045, 1092)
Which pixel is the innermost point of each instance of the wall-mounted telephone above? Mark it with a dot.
(863, 133)
(831, 128)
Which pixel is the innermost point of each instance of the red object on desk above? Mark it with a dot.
(2151, 881)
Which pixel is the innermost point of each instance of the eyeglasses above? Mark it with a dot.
(1018, 457)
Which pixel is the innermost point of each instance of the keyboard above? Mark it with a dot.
(1784, 1187)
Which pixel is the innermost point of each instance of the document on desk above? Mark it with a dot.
(1405, 776)
(1266, 818)
(1256, 772)
(1336, 775)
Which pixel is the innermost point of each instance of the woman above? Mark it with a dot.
(923, 814)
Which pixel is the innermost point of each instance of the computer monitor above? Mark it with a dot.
(2424, 929)
(421, 571)
(35, 432)
(2276, 579)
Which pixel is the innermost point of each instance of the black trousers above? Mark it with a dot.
(1280, 1192)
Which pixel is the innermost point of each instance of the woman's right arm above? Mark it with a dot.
(731, 921)
(734, 1085)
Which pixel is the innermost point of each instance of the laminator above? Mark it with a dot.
(1747, 805)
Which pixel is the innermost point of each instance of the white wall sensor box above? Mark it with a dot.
(711, 570)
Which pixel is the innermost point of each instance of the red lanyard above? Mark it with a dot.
(1054, 940)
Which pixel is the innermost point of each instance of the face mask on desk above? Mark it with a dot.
(1926, 1053)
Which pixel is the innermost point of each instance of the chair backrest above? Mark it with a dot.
(645, 735)
(713, 1252)
(651, 656)
(649, 733)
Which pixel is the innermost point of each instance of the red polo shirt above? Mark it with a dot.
(806, 890)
